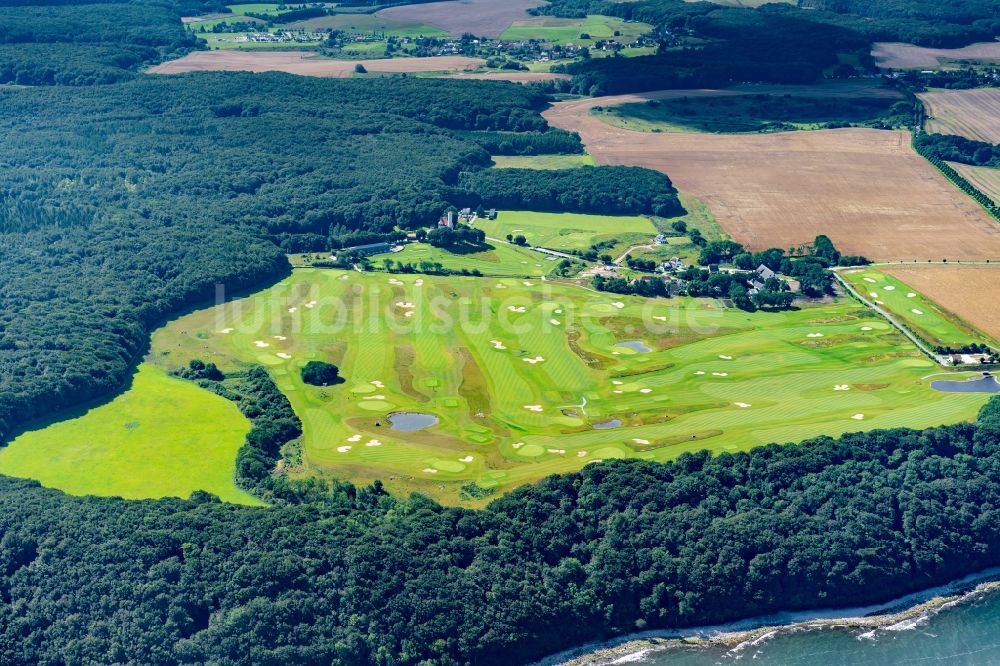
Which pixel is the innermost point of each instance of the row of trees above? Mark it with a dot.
(349, 576)
(551, 142)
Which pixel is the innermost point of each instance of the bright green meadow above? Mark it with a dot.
(502, 260)
(563, 31)
(542, 161)
(569, 231)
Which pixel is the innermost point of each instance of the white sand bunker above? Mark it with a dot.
(283, 355)
(725, 357)
(500, 286)
(261, 344)
(659, 318)
(556, 450)
(280, 337)
(377, 383)
(858, 417)
(638, 440)
(292, 309)
(528, 284)
(533, 408)
(814, 335)
(517, 445)
(870, 280)
(466, 459)
(911, 295)
(873, 294)
(408, 313)
(616, 382)
(618, 304)
(374, 397)
(699, 372)
(615, 353)
(916, 311)
(743, 405)
(373, 442)
(889, 287)
(514, 308)
(418, 282)
(532, 361)
(345, 277)
(343, 449)
(497, 344)
(354, 438)
(866, 328)
(395, 282)
(721, 374)
(558, 311)
(311, 304)
(226, 330)
(645, 390)
(405, 305)
(617, 392)
(580, 454)
(554, 322)
(429, 470)
(841, 387)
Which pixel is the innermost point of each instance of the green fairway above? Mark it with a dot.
(503, 259)
(919, 314)
(163, 437)
(569, 30)
(570, 231)
(522, 374)
(542, 161)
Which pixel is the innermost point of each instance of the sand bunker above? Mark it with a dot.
(409, 313)
(283, 355)
(226, 330)
(699, 372)
(537, 359)
(280, 337)
(261, 344)
(533, 408)
(873, 294)
(580, 454)
(377, 383)
(721, 374)
(430, 470)
(497, 344)
(517, 445)
(725, 357)
(554, 322)
(528, 284)
(637, 440)
(514, 308)
(354, 438)
(418, 282)
(405, 305)
(292, 309)
(889, 287)
(872, 280)
(501, 286)
(466, 459)
(814, 335)
(743, 405)
(866, 328)
(841, 387)
(374, 397)
(618, 304)
(373, 442)
(343, 449)
(916, 311)
(911, 295)
(858, 417)
(645, 390)
(556, 450)
(659, 318)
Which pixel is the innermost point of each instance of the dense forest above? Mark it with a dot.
(353, 576)
(121, 204)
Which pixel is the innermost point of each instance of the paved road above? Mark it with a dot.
(888, 317)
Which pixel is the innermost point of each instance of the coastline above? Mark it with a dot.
(895, 615)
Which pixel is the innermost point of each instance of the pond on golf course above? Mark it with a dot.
(987, 384)
(607, 425)
(635, 345)
(409, 421)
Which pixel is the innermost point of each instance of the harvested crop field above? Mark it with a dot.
(306, 63)
(894, 55)
(974, 114)
(866, 189)
(986, 179)
(967, 291)
(514, 77)
(485, 18)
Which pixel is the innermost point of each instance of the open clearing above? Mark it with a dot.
(503, 259)
(484, 18)
(568, 231)
(163, 437)
(542, 161)
(569, 30)
(970, 292)
(370, 23)
(986, 179)
(306, 63)
(974, 113)
(908, 304)
(864, 188)
(529, 378)
(894, 55)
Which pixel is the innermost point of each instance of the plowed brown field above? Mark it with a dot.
(306, 63)
(974, 114)
(866, 189)
(486, 18)
(907, 56)
(970, 292)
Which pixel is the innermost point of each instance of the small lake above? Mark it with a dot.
(635, 345)
(412, 421)
(607, 425)
(981, 385)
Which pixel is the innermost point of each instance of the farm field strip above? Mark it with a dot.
(895, 55)
(485, 18)
(864, 188)
(306, 63)
(519, 372)
(985, 179)
(974, 113)
(569, 30)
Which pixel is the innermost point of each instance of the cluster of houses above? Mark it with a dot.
(281, 37)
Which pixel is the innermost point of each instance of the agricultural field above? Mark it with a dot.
(370, 23)
(568, 31)
(749, 113)
(510, 380)
(986, 179)
(542, 161)
(864, 188)
(570, 231)
(162, 437)
(974, 113)
(306, 63)
(967, 291)
(485, 18)
(921, 315)
(502, 259)
(511, 75)
(894, 55)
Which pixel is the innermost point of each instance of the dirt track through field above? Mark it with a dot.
(483, 18)
(895, 55)
(866, 189)
(306, 63)
(968, 291)
(974, 114)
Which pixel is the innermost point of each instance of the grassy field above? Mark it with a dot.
(369, 23)
(569, 231)
(745, 113)
(522, 374)
(542, 161)
(163, 437)
(986, 179)
(503, 259)
(564, 30)
(920, 314)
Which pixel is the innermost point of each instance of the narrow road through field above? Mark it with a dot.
(888, 317)
(620, 259)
